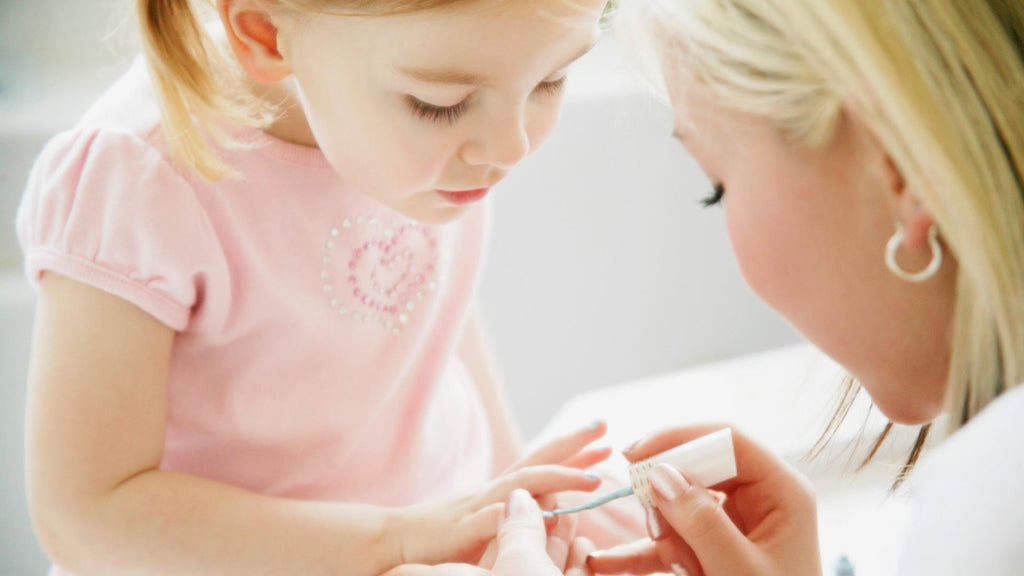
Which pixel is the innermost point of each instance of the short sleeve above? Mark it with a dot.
(106, 209)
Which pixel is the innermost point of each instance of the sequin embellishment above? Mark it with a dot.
(378, 273)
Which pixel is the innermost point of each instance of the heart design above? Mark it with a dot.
(384, 270)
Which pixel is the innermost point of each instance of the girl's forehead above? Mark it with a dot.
(468, 45)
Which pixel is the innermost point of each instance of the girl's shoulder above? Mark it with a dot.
(104, 205)
(128, 107)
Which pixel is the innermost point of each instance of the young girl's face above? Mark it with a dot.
(426, 111)
(809, 229)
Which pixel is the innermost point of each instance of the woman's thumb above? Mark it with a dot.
(698, 518)
(523, 526)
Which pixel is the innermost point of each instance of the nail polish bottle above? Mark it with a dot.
(708, 460)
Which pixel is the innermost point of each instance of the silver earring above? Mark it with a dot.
(894, 266)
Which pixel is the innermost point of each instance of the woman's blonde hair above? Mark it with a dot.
(200, 87)
(940, 83)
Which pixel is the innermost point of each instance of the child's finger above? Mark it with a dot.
(559, 540)
(588, 458)
(549, 502)
(576, 564)
(479, 527)
(637, 557)
(541, 480)
(560, 449)
(490, 554)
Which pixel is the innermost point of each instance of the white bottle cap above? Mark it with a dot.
(708, 460)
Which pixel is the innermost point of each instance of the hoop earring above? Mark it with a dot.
(916, 277)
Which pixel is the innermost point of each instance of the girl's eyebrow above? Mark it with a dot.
(462, 78)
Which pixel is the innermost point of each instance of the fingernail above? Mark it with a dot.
(594, 425)
(518, 504)
(719, 497)
(632, 446)
(654, 528)
(591, 475)
(667, 482)
(678, 570)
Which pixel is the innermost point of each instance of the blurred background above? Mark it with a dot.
(603, 267)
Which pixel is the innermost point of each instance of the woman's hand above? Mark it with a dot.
(525, 548)
(522, 548)
(459, 530)
(767, 525)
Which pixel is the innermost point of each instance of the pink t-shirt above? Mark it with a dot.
(316, 328)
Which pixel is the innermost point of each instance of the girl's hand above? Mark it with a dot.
(767, 525)
(459, 530)
(522, 548)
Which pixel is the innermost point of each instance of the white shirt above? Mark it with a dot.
(969, 517)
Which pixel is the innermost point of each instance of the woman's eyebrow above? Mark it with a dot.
(463, 78)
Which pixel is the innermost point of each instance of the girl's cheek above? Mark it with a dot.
(543, 124)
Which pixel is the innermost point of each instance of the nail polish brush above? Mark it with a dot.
(707, 460)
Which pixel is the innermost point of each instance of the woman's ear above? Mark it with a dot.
(917, 221)
(254, 39)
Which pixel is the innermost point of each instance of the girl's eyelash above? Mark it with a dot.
(714, 197)
(437, 114)
(451, 114)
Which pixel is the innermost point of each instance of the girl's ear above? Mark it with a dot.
(254, 39)
(917, 221)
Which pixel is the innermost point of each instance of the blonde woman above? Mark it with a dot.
(869, 157)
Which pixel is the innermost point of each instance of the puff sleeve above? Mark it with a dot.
(105, 208)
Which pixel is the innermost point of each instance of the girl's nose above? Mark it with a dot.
(501, 143)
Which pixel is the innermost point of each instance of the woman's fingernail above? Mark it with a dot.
(667, 482)
(591, 475)
(594, 425)
(518, 504)
(678, 569)
(632, 446)
(654, 527)
(719, 497)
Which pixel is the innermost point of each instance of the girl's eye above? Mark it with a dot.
(552, 87)
(437, 114)
(714, 197)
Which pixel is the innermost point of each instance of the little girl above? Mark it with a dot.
(256, 350)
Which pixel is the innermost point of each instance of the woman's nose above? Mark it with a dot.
(501, 143)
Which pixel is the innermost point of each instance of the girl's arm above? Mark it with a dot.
(475, 352)
(100, 504)
(96, 417)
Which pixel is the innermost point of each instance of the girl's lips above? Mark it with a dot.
(464, 196)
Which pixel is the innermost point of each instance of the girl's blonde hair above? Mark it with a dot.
(940, 83)
(199, 84)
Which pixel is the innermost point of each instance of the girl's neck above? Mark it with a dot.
(291, 125)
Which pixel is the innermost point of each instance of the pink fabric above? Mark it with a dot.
(316, 328)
